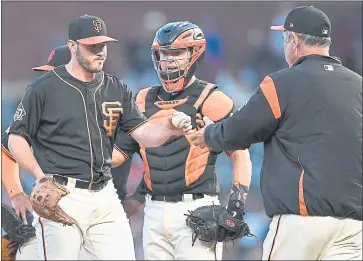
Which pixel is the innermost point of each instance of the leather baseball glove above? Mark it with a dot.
(16, 232)
(214, 223)
(45, 198)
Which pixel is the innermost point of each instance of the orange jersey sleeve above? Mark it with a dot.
(10, 173)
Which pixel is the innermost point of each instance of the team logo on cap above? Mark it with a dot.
(51, 55)
(98, 25)
(291, 25)
(325, 31)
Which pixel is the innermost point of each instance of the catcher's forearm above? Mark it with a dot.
(22, 153)
(242, 173)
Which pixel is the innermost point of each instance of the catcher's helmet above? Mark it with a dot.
(177, 36)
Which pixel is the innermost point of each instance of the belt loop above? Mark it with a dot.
(187, 197)
(71, 183)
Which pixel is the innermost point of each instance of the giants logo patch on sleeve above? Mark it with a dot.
(20, 112)
(112, 111)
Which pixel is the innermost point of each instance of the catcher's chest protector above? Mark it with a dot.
(176, 164)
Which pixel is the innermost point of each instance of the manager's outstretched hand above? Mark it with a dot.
(198, 136)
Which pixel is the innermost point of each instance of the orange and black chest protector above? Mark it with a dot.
(178, 166)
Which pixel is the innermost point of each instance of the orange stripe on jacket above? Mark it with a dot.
(10, 173)
(302, 205)
(269, 91)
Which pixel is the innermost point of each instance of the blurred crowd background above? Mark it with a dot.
(241, 51)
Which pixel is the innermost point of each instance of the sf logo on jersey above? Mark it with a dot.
(112, 111)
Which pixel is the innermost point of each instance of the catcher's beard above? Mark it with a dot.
(86, 64)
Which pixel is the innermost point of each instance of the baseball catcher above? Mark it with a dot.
(45, 197)
(16, 233)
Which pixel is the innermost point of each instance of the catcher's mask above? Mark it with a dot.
(177, 51)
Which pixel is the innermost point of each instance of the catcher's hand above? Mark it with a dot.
(45, 198)
(215, 223)
(16, 232)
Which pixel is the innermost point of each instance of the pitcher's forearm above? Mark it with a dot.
(23, 154)
(154, 133)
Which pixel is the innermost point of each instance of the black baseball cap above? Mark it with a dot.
(306, 20)
(57, 57)
(88, 29)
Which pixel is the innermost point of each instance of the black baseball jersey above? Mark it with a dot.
(72, 125)
(121, 174)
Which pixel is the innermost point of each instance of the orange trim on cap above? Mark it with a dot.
(187, 39)
(96, 40)
(269, 91)
(44, 68)
(278, 28)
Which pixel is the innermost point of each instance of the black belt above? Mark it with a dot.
(176, 198)
(81, 184)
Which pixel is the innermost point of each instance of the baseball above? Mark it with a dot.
(178, 117)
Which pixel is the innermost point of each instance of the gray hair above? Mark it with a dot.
(308, 40)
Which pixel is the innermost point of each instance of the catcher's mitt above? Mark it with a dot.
(16, 232)
(215, 223)
(45, 198)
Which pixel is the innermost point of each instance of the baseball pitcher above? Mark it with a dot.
(71, 116)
